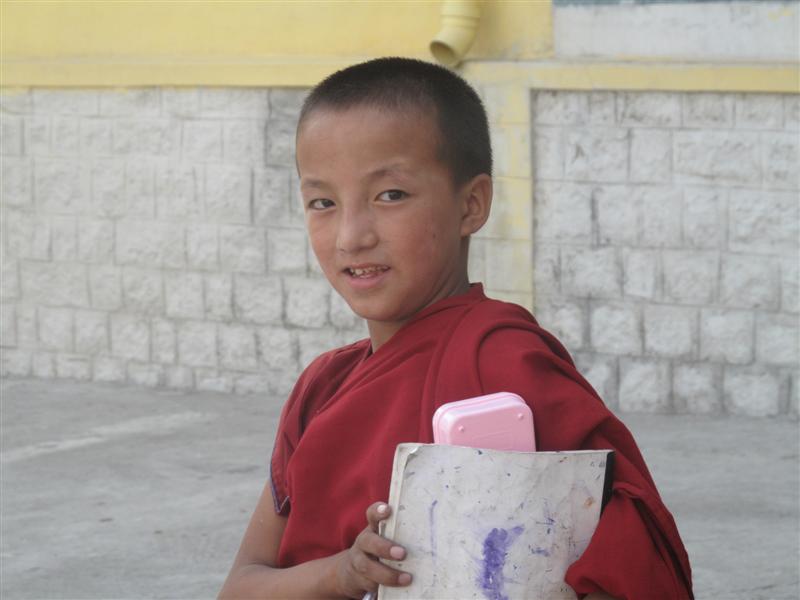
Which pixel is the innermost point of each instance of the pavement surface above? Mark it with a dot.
(116, 492)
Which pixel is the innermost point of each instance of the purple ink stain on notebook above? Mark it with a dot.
(495, 550)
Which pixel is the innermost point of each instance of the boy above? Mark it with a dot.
(395, 171)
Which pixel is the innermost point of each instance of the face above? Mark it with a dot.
(385, 221)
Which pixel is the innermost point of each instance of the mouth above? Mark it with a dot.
(366, 271)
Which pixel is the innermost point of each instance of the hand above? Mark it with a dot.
(358, 570)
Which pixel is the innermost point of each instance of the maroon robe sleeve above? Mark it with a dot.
(636, 551)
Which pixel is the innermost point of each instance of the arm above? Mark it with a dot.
(349, 573)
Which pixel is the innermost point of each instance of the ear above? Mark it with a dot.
(476, 202)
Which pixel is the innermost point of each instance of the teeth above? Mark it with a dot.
(366, 271)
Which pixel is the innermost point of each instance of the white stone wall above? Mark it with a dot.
(154, 236)
(666, 245)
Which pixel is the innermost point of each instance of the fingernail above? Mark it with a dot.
(383, 509)
(404, 579)
(397, 552)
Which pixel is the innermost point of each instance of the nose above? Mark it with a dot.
(356, 230)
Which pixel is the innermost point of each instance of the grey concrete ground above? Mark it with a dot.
(112, 492)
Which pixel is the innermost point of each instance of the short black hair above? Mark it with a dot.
(395, 83)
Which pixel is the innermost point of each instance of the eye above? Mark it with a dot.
(392, 195)
(320, 204)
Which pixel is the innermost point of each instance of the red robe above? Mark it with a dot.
(350, 408)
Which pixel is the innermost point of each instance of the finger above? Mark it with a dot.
(377, 573)
(377, 545)
(377, 512)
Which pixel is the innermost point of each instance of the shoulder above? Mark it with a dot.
(329, 365)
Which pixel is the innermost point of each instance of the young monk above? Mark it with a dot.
(395, 171)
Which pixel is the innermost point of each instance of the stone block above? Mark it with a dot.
(251, 383)
(240, 143)
(763, 222)
(218, 296)
(750, 281)
(258, 299)
(791, 112)
(759, 111)
(341, 315)
(651, 155)
(55, 284)
(285, 103)
(202, 140)
(202, 246)
(73, 366)
(11, 138)
(54, 101)
(197, 344)
(242, 249)
(109, 370)
(105, 287)
(227, 193)
(648, 109)
(690, 277)
(16, 100)
(211, 380)
(727, 336)
(140, 189)
(708, 110)
(717, 157)
(508, 265)
(313, 342)
(237, 348)
(307, 302)
(164, 341)
(27, 326)
(91, 332)
(590, 272)
(130, 337)
(143, 102)
(696, 389)
(109, 196)
(704, 217)
(27, 235)
(64, 238)
(148, 376)
(178, 378)
(286, 250)
(43, 365)
(183, 293)
(563, 213)
(565, 320)
(229, 102)
(781, 161)
(147, 137)
(752, 392)
(95, 137)
(180, 102)
(641, 272)
(596, 154)
(278, 348)
(177, 192)
(476, 265)
(560, 108)
(8, 325)
(616, 329)
(280, 142)
(37, 136)
(670, 331)
(602, 108)
(9, 278)
(66, 139)
(790, 299)
(548, 152)
(602, 373)
(16, 182)
(618, 214)
(644, 386)
(150, 244)
(271, 196)
(15, 362)
(143, 290)
(96, 240)
(546, 269)
(777, 340)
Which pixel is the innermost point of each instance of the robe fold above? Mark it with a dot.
(350, 408)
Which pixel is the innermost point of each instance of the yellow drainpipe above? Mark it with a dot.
(459, 25)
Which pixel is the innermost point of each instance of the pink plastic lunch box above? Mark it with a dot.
(499, 421)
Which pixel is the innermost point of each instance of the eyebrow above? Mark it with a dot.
(393, 168)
